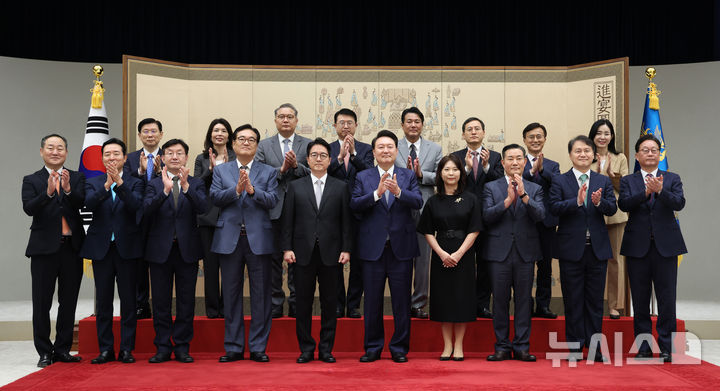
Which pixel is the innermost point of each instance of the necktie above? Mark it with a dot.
(476, 163)
(112, 192)
(176, 190)
(346, 160)
(516, 195)
(652, 195)
(318, 192)
(413, 153)
(583, 179)
(65, 227)
(537, 173)
(150, 164)
(286, 146)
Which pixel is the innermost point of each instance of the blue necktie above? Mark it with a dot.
(112, 192)
(150, 164)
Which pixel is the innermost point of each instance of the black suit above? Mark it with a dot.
(173, 250)
(115, 244)
(54, 256)
(206, 224)
(476, 186)
(317, 236)
(362, 160)
(142, 291)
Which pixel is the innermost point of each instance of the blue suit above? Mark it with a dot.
(387, 243)
(513, 246)
(583, 259)
(244, 236)
(362, 160)
(114, 219)
(546, 229)
(652, 243)
(173, 249)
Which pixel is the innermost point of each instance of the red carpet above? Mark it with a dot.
(425, 335)
(422, 372)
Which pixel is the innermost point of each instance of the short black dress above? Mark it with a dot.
(452, 290)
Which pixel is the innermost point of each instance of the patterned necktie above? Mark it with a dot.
(413, 153)
(176, 190)
(583, 180)
(286, 146)
(476, 163)
(318, 192)
(652, 195)
(516, 195)
(150, 166)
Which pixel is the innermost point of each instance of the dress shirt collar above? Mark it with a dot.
(382, 172)
(154, 153)
(281, 139)
(50, 170)
(653, 172)
(322, 179)
(417, 145)
(249, 165)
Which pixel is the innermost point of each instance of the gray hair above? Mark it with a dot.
(42, 142)
(287, 105)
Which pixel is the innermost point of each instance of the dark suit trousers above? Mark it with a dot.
(278, 295)
(583, 288)
(65, 267)
(543, 279)
(354, 287)
(142, 290)
(482, 277)
(398, 274)
(516, 274)
(661, 272)
(106, 271)
(305, 277)
(185, 276)
(211, 269)
(233, 267)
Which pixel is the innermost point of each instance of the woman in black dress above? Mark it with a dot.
(217, 150)
(451, 221)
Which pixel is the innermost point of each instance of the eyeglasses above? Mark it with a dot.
(283, 117)
(174, 154)
(648, 150)
(249, 140)
(348, 123)
(322, 156)
(150, 131)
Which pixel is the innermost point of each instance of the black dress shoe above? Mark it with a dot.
(304, 358)
(524, 356)
(600, 358)
(458, 358)
(143, 313)
(614, 317)
(277, 313)
(65, 357)
(104, 357)
(183, 357)
(326, 357)
(354, 313)
(400, 358)
(159, 357)
(45, 360)
(213, 316)
(126, 357)
(642, 355)
(484, 313)
(259, 357)
(501, 355)
(418, 313)
(291, 313)
(370, 357)
(231, 356)
(666, 356)
(340, 312)
(544, 312)
(445, 358)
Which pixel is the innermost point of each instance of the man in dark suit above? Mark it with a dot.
(652, 243)
(348, 157)
(511, 208)
(286, 153)
(541, 170)
(482, 165)
(145, 163)
(385, 198)
(580, 198)
(245, 191)
(422, 156)
(172, 202)
(317, 235)
(53, 196)
(114, 243)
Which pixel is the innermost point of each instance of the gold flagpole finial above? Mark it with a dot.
(98, 92)
(654, 101)
(650, 73)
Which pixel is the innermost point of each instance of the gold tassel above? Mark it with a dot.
(98, 93)
(87, 268)
(653, 101)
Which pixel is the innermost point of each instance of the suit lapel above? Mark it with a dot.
(424, 150)
(403, 151)
(310, 192)
(276, 148)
